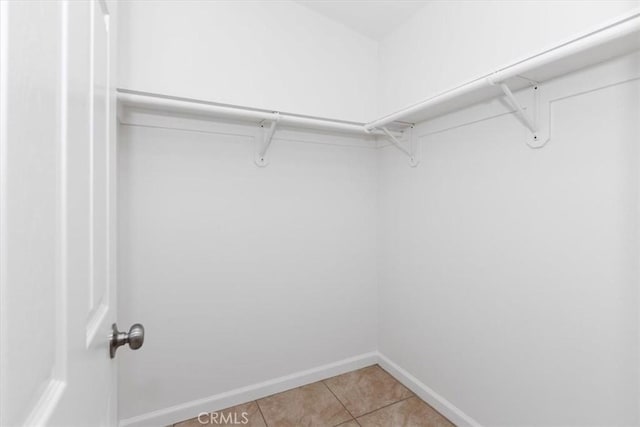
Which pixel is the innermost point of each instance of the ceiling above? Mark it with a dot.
(373, 18)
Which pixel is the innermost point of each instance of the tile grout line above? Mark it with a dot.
(343, 405)
(377, 409)
(414, 395)
(386, 406)
(261, 414)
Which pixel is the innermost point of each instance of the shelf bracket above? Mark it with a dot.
(267, 137)
(411, 152)
(537, 140)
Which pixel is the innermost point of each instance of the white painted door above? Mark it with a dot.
(57, 142)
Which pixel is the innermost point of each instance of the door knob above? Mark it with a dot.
(135, 338)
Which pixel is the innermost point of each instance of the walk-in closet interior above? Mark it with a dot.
(356, 213)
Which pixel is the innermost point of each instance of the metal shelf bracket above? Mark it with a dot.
(267, 136)
(538, 138)
(411, 152)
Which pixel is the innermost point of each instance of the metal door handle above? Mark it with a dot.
(135, 338)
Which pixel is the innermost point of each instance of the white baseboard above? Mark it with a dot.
(441, 404)
(216, 402)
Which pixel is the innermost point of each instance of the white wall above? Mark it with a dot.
(273, 55)
(241, 274)
(448, 43)
(509, 276)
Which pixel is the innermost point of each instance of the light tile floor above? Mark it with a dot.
(368, 397)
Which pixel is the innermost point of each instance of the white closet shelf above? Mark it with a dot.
(615, 38)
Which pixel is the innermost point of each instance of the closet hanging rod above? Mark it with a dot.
(154, 102)
(615, 30)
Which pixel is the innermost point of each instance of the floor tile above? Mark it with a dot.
(230, 417)
(411, 412)
(367, 389)
(307, 406)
